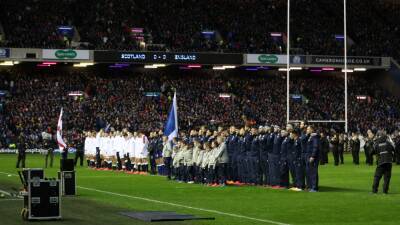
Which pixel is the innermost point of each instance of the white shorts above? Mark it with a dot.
(143, 155)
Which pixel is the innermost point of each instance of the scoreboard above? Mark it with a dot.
(167, 57)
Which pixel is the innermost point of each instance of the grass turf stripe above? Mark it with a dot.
(184, 206)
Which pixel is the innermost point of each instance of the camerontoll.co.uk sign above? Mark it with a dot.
(65, 54)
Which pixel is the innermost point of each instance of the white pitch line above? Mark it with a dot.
(8, 174)
(185, 206)
(5, 192)
(178, 205)
(11, 199)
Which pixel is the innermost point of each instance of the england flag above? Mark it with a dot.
(60, 141)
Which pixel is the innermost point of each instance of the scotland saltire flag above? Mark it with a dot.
(171, 127)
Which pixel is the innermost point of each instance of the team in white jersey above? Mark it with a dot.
(190, 160)
(109, 143)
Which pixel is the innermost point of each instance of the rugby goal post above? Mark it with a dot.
(288, 120)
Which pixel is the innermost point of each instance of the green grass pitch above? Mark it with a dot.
(344, 198)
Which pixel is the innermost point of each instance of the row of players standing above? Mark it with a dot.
(266, 156)
(263, 156)
(106, 149)
(269, 156)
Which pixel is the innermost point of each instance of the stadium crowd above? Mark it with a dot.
(122, 101)
(178, 25)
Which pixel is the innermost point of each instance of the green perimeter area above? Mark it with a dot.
(344, 198)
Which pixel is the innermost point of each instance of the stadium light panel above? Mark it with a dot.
(65, 28)
(208, 32)
(296, 68)
(114, 66)
(152, 94)
(83, 64)
(224, 95)
(275, 34)
(7, 63)
(283, 69)
(328, 69)
(348, 70)
(297, 97)
(252, 69)
(194, 66)
(229, 67)
(119, 65)
(75, 93)
(219, 68)
(361, 97)
(49, 63)
(339, 37)
(137, 30)
(360, 69)
(122, 64)
(154, 66)
(263, 67)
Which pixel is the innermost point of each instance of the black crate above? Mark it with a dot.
(66, 164)
(32, 174)
(68, 182)
(44, 199)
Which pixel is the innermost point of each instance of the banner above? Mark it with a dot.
(167, 57)
(339, 60)
(33, 150)
(4, 52)
(65, 54)
(273, 59)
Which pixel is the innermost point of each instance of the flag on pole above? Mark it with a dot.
(107, 127)
(171, 127)
(60, 141)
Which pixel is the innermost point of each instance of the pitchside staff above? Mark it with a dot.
(21, 146)
(397, 148)
(369, 147)
(49, 144)
(354, 144)
(385, 152)
(80, 151)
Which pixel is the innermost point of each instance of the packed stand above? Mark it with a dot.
(34, 100)
(238, 26)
